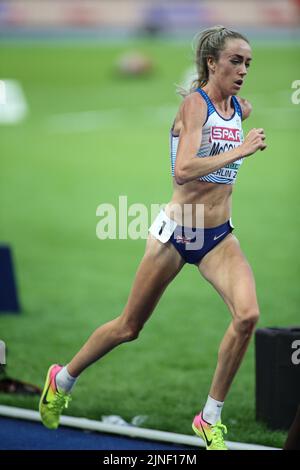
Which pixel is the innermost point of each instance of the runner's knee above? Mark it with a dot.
(245, 320)
(129, 330)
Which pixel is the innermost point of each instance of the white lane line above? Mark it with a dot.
(86, 121)
(130, 431)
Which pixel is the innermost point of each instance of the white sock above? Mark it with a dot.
(64, 381)
(212, 410)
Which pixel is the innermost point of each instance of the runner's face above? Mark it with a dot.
(232, 67)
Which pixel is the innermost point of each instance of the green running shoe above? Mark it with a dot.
(52, 401)
(212, 435)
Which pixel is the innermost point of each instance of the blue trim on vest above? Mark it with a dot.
(210, 106)
(237, 106)
(211, 109)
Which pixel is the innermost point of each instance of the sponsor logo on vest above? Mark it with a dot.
(225, 133)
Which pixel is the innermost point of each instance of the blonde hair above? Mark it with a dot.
(209, 43)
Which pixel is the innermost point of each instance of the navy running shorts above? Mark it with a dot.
(191, 243)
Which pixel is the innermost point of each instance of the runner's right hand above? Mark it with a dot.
(255, 140)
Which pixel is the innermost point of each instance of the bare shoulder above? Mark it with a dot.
(194, 104)
(192, 112)
(246, 107)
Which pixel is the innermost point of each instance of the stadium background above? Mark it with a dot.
(90, 135)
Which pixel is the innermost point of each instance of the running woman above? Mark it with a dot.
(207, 151)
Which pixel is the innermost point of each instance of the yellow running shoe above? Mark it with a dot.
(212, 435)
(52, 401)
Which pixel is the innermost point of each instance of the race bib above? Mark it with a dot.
(163, 227)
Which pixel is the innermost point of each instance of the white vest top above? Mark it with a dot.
(218, 135)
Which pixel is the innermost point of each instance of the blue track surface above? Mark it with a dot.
(26, 435)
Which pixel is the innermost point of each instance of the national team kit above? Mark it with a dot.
(218, 135)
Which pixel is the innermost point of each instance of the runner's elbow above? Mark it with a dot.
(180, 176)
(186, 173)
(246, 108)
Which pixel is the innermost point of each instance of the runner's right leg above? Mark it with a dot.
(160, 264)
